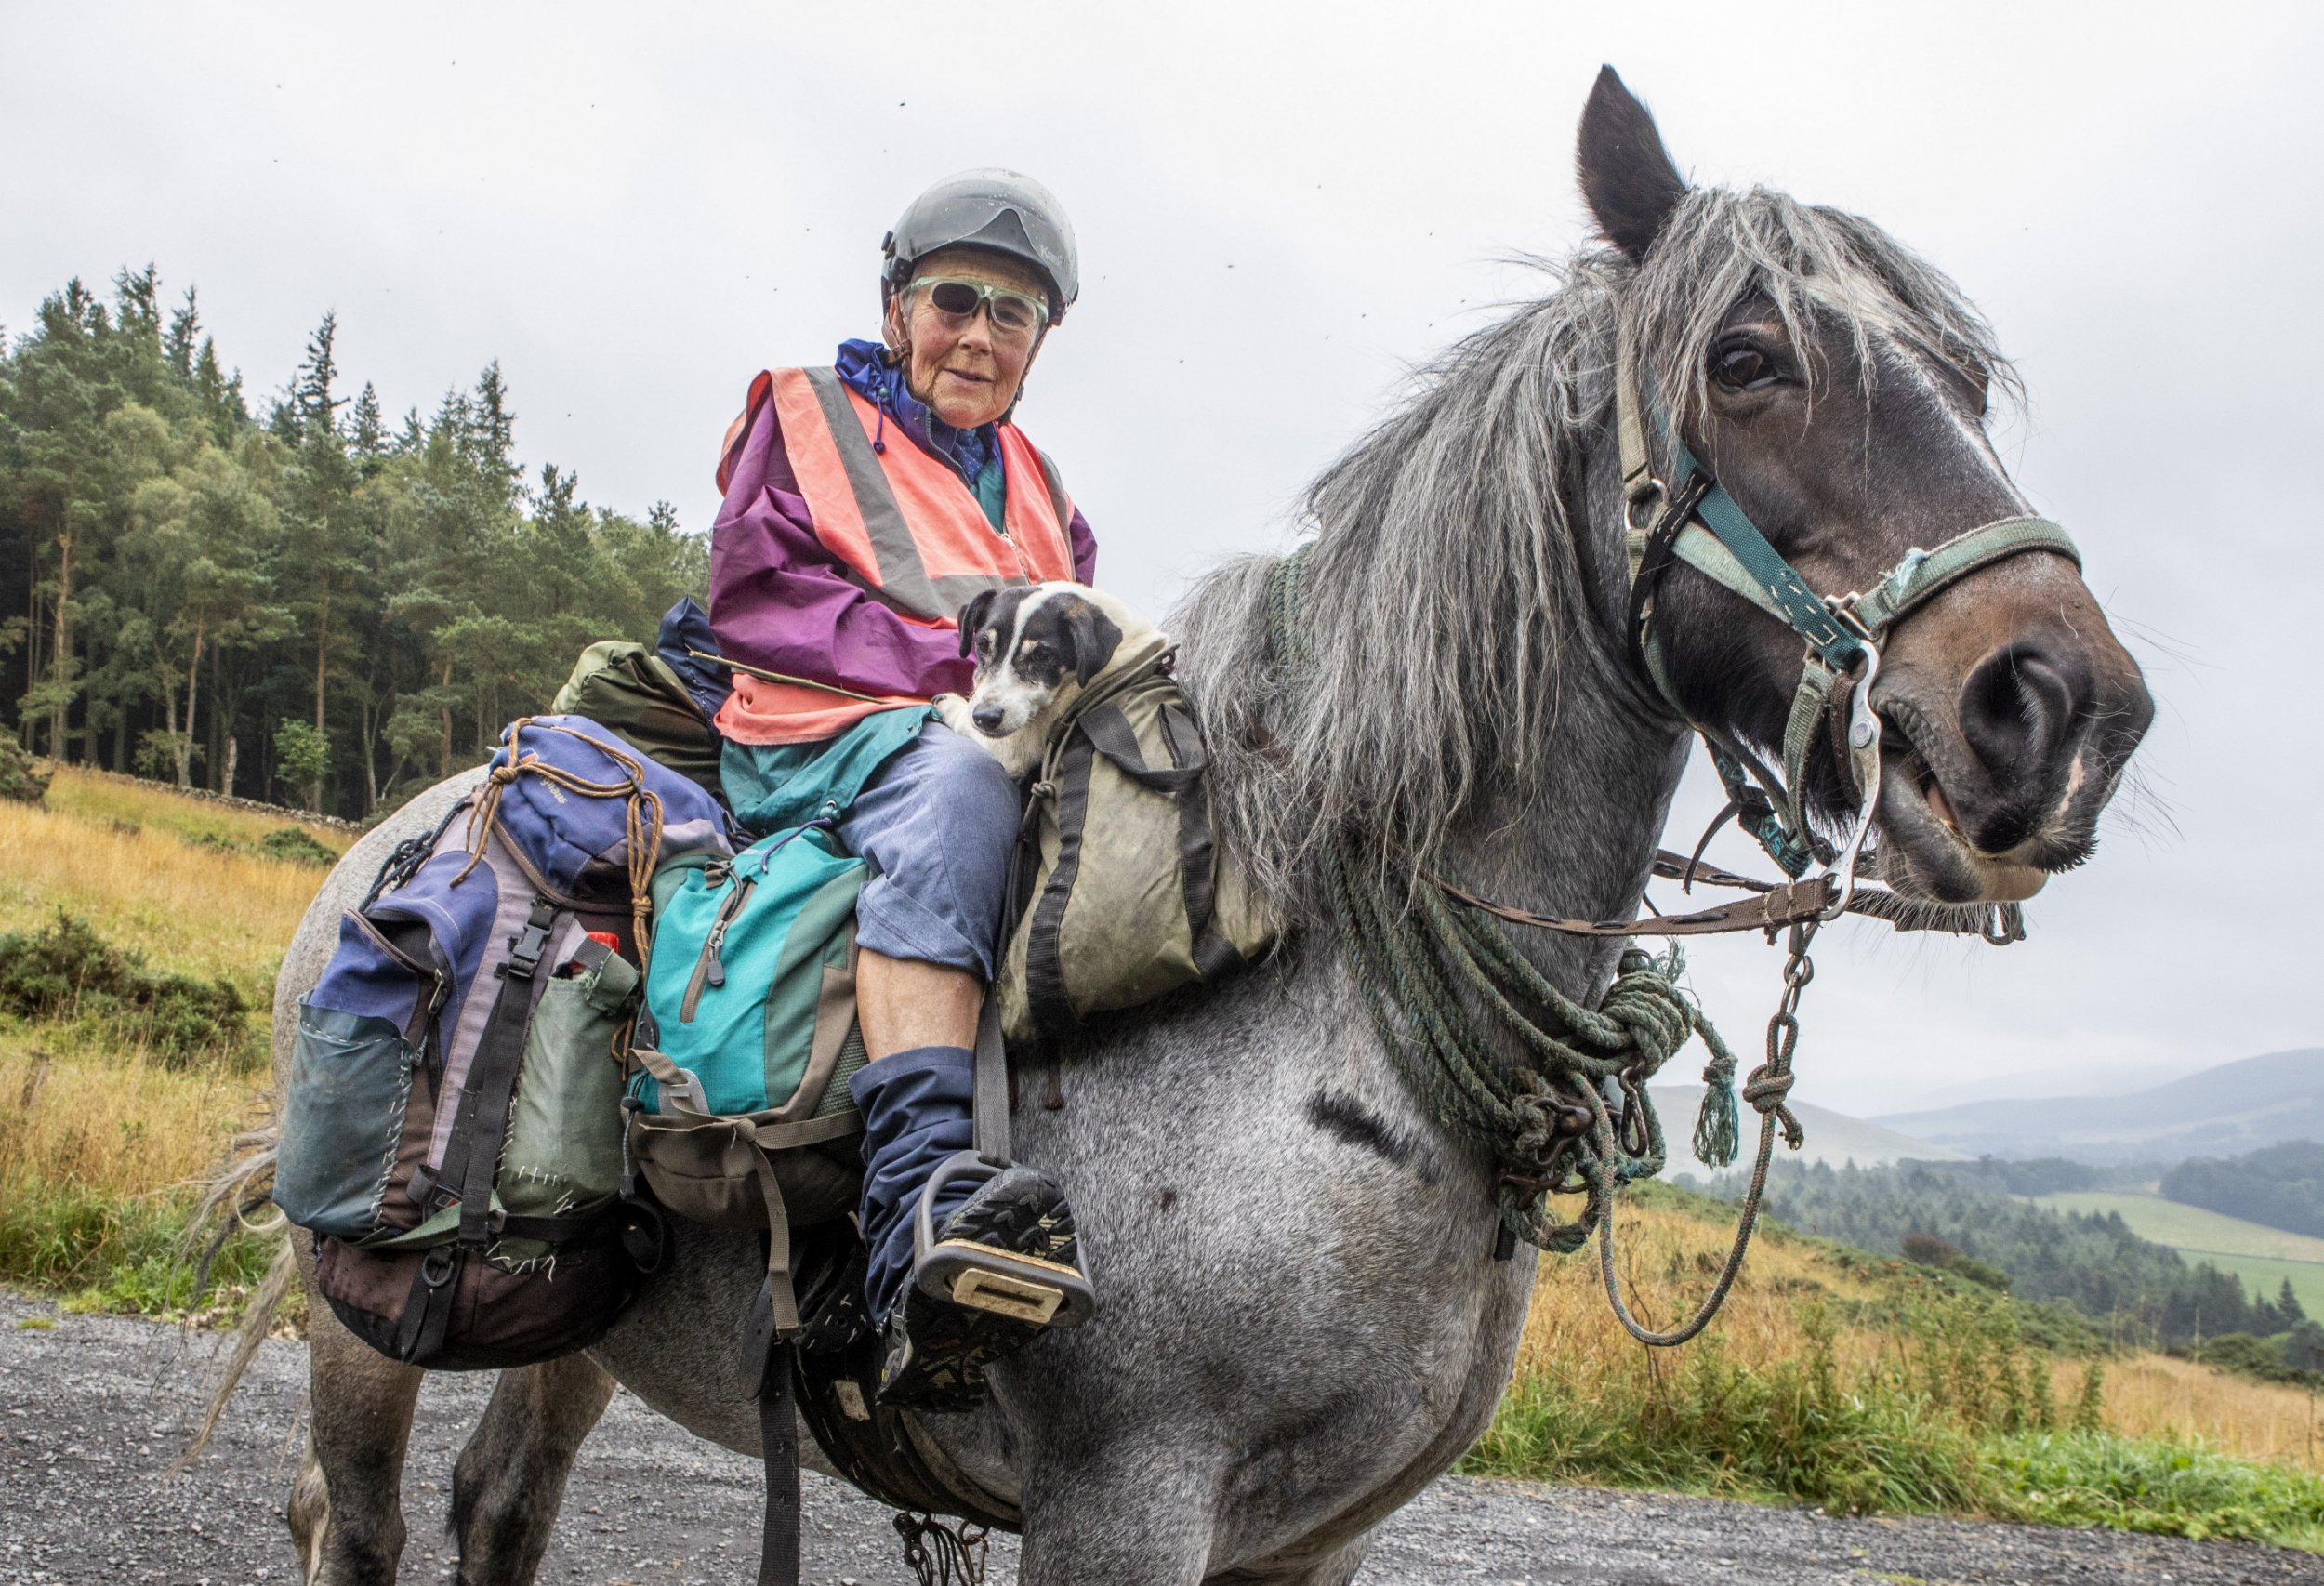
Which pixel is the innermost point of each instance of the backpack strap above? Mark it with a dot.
(472, 1154)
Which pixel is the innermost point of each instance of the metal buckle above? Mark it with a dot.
(1654, 488)
(1864, 750)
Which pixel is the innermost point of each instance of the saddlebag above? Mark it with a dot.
(1122, 895)
(452, 1133)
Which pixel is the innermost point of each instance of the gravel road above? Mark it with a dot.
(92, 1408)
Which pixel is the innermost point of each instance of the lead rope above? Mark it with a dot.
(1767, 1090)
(1543, 1118)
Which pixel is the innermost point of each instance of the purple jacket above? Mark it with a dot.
(782, 602)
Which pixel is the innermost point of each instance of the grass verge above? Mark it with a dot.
(1866, 1386)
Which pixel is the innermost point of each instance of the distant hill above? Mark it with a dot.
(2234, 1107)
(1831, 1137)
(2281, 1187)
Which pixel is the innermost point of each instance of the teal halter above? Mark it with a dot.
(1702, 525)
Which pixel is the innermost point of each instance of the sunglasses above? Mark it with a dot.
(1014, 314)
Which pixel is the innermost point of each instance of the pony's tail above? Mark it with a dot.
(241, 1188)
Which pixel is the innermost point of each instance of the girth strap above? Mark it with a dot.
(778, 1450)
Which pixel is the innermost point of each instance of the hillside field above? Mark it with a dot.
(2262, 1257)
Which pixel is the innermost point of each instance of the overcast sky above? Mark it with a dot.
(1281, 208)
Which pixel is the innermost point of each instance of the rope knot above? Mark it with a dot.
(1767, 1091)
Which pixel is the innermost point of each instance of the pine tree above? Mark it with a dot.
(367, 434)
(315, 409)
(489, 432)
(184, 338)
(183, 578)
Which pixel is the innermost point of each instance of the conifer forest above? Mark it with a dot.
(294, 598)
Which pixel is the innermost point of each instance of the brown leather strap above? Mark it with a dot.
(1770, 910)
(1776, 904)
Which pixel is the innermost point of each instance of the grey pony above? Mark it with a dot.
(1303, 1319)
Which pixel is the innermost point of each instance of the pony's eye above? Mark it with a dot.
(1742, 368)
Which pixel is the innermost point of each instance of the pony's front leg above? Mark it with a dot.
(1127, 1522)
(346, 1507)
(510, 1478)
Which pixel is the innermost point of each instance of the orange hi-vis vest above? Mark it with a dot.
(903, 522)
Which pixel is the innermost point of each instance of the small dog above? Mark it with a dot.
(1036, 647)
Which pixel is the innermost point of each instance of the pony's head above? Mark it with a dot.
(1836, 386)
(1450, 659)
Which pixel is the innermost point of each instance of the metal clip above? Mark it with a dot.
(1864, 754)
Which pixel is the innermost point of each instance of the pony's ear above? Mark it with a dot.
(1094, 637)
(1626, 173)
(973, 618)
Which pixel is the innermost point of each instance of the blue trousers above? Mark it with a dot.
(939, 825)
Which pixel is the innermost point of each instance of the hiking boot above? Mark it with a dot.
(1005, 1268)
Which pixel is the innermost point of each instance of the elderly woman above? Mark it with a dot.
(864, 505)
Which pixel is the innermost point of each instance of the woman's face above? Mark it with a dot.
(968, 372)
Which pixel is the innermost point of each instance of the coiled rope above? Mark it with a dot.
(641, 811)
(1501, 1057)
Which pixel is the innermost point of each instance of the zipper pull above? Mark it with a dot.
(714, 974)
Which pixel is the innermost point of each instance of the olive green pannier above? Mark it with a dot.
(1122, 892)
(628, 689)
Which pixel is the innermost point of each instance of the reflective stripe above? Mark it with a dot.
(894, 561)
(904, 522)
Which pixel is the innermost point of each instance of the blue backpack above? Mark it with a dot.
(451, 1133)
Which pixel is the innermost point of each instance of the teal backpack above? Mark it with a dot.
(739, 1110)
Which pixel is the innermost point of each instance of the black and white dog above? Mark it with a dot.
(1037, 648)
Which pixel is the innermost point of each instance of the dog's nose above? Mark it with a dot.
(987, 719)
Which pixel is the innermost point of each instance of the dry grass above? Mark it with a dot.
(2149, 1396)
(79, 1115)
(124, 857)
(1571, 1340)
(101, 797)
(101, 1143)
(1662, 1255)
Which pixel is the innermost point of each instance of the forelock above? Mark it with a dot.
(1818, 269)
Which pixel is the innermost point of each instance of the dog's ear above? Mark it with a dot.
(1093, 636)
(973, 618)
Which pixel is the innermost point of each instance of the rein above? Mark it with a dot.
(1434, 977)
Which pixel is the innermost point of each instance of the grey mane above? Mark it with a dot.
(1442, 595)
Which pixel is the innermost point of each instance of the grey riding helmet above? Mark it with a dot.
(987, 208)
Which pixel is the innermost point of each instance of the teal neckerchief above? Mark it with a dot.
(773, 786)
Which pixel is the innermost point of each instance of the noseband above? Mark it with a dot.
(1700, 523)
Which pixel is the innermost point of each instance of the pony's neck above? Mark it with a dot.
(1573, 826)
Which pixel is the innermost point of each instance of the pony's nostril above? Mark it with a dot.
(2021, 712)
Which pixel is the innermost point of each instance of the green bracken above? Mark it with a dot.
(107, 1253)
(1956, 1418)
